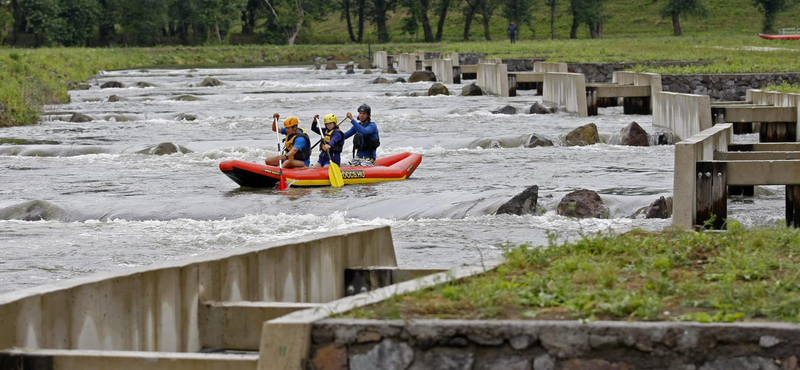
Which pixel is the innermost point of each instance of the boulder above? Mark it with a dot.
(210, 82)
(72, 85)
(169, 148)
(438, 89)
(185, 98)
(505, 110)
(661, 208)
(317, 65)
(331, 65)
(584, 135)
(536, 141)
(521, 204)
(544, 107)
(420, 76)
(471, 90)
(144, 71)
(583, 203)
(390, 70)
(350, 71)
(634, 135)
(364, 64)
(115, 98)
(367, 71)
(186, 117)
(112, 84)
(380, 80)
(78, 117)
(143, 84)
(350, 65)
(664, 138)
(400, 80)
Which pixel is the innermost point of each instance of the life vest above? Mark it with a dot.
(328, 135)
(362, 143)
(301, 155)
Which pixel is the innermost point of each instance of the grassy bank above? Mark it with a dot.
(33, 77)
(671, 275)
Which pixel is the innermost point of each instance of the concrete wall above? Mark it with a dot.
(379, 59)
(726, 87)
(156, 308)
(443, 69)
(493, 77)
(567, 90)
(699, 147)
(548, 345)
(776, 99)
(684, 114)
(407, 63)
(452, 56)
(550, 67)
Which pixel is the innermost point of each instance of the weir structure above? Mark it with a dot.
(201, 313)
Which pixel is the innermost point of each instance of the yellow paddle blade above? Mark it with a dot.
(335, 174)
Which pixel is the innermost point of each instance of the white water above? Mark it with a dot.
(114, 207)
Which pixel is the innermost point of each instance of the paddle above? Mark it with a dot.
(281, 185)
(334, 173)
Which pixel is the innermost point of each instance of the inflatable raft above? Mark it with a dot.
(779, 37)
(391, 168)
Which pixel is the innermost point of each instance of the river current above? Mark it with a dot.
(110, 203)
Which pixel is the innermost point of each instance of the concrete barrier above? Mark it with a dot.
(452, 56)
(550, 67)
(697, 148)
(567, 90)
(380, 60)
(684, 114)
(156, 308)
(443, 69)
(407, 63)
(493, 77)
(777, 99)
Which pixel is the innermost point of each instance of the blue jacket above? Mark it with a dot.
(369, 131)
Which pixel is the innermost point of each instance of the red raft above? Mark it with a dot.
(391, 168)
(779, 37)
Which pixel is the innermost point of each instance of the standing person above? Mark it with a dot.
(297, 147)
(333, 141)
(512, 32)
(366, 139)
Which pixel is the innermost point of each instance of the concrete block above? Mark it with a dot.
(684, 114)
(453, 56)
(443, 69)
(380, 60)
(190, 307)
(284, 346)
(56, 325)
(566, 90)
(550, 67)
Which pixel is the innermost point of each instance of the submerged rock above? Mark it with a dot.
(400, 80)
(521, 204)
(72, 85)
(35, 210)
(544, 107)
(331, 65)
(438, 89)
(186, 98)
(112, 84)
(115, 98)
(471, 90)
(420, 76)
(79, 117)
(143, 84)
(537, 141)
(661, 208)
(380, 80)
(583, 203)
(210, 82)
(505, 110)
(582, 136)
(634, 135)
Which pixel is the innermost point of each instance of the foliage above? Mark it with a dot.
(784, 87)
(670, 275)
(770, 8)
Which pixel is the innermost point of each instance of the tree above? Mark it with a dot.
(379, 15)
(770, 9)
(469, 10)
(79, 18)
(674, 9)
(552, 5)
(589, 12)
(442, 7)
(417, 13)
(41, 17)
(487, 9)
(142, 21)
(106, 21)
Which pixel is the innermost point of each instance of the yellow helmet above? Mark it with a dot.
(330, 118)
(291, 121)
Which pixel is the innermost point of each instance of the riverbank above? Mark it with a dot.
(739, 275)
(33, 77)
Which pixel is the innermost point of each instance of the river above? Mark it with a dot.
(112, 204)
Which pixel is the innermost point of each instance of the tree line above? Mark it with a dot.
(192, 22)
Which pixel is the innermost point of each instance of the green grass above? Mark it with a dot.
(738, 275)
(784, 87)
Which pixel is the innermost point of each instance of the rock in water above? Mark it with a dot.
(523, 203)
(634, 135)
(583, 203)
(584, 135)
